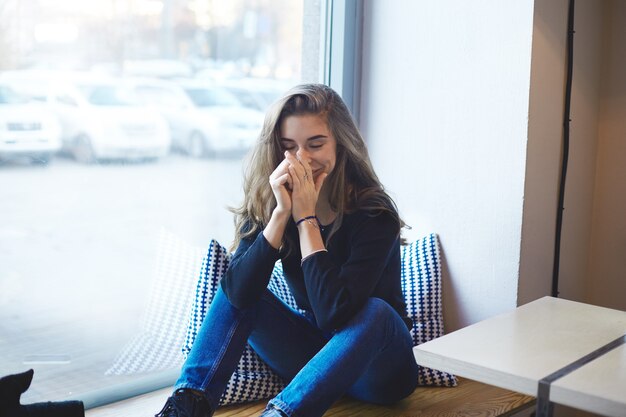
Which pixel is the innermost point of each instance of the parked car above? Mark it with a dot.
(160, 68)
(27, 129)
(103, 120)
(255, 93)
(205, 119)
(100, 117)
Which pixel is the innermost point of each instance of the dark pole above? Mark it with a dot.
(565, 156)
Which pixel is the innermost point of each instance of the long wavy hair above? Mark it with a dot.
(352, 184)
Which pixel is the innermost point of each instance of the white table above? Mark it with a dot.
(599, 386)
(516, 350)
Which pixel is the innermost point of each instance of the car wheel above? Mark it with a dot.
(43, 159)
(83, 151)
(196, 146)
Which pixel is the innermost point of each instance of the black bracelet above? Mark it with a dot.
(305, 219)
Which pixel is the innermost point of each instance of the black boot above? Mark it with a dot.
(13, 386)
(53, 409)
(186, 403)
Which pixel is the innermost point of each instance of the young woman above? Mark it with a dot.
(312, 199)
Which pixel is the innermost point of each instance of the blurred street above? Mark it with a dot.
(77, 252)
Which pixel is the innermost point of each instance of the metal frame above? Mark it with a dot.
(343, 50)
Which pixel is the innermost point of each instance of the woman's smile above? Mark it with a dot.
(309, 138)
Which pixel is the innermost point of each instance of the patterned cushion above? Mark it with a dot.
(156, 346)
(253, 379)
(421, 285)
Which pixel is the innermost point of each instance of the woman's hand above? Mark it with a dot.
(304, 192)
(281, 183)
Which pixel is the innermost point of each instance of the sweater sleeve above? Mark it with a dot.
(249, 271)
(337, 292)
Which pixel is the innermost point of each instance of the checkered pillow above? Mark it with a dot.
(156, 346)
(421, 286)
(253, 379)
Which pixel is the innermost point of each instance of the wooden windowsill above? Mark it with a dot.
(469, 398)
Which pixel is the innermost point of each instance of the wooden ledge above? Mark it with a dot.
(469, 398)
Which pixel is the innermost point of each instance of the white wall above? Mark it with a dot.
(445, 99)
(462, 108)
(545, 129)
(606, 284)
(545, 136)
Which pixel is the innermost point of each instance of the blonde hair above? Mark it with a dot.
(352, 184)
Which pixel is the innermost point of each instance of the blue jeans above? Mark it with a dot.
(370, 358)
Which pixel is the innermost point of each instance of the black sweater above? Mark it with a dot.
(363, 261)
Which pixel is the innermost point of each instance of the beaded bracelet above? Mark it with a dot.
(304, 219)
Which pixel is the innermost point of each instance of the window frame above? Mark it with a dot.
(342, 50)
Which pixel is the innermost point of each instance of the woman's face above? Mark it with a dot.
(309, 139)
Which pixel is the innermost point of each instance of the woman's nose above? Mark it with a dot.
(302, 155)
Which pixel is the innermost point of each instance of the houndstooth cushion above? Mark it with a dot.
(421, 285)
(163, 328)
(253, 379)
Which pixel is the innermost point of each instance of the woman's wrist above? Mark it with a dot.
(281, 215)
(275, 228)
(311, 219)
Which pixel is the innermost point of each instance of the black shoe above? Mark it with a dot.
(13, 386)
(185, 403)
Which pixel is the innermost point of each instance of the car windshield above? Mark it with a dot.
(9, 96)
(207, 97)
(107, 95)
(161, 96)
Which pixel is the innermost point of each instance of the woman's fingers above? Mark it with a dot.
(295, 178)
(299, 169)
(320, 181)
(282, 180)
(282, 191)
(281, 169)
(308, 174)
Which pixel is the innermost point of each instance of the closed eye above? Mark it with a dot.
(287, 145)
(314, 142)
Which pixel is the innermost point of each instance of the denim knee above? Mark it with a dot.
(378, 316)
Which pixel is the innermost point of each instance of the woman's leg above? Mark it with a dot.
(285, 339)
(370, 358)
(217, 349)
(223, 335)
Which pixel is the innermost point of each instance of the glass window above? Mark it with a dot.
(9, 96)
(107, 95)
(167, 96)
(211, 96)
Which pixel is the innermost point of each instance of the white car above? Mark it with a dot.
(100, 116)
(256, 93)
(101, 120)
(27, 129)
(204, 119)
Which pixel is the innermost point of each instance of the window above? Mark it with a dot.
(140, 114)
